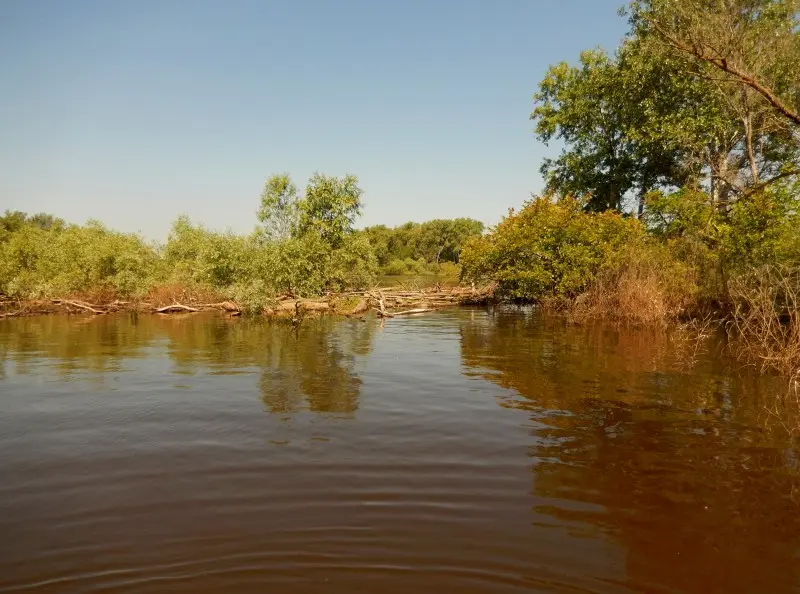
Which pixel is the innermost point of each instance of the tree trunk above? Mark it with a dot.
(748, 134)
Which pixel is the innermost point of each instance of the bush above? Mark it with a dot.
(60, 261)
(395, 268)
(766, 318)
(37, 263)
(548, 250)
(646, 285)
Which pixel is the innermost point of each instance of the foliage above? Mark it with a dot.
(329, 208)
(548, 249)
(304, 246)
(278, 210)
(12, 222)
(196, 255)
(53, 261)
(412, 247)
(618, 135)
(669, 110)
(751, 46)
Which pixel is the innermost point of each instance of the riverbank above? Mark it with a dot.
(387, 302)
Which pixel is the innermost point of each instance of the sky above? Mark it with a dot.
(135, 111)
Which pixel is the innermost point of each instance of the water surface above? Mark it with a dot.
(462, 451)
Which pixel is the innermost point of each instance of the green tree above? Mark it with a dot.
(11, 222)
(278, 211)
(751, 44)
(630, 123)
(747, 54)
(548, 249)
(441, 239)
(330, 207)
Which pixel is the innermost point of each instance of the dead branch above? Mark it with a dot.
(225, 305)
(723, 64)
(80, 305)
(175, 307)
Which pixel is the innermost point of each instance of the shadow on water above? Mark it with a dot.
(674, 464)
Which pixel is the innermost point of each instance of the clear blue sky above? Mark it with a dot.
(133, 112)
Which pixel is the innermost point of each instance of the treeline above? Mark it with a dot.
(677, 191)
(304, 244)
(415, 248)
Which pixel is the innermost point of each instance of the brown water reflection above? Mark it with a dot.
(209, 454)
(314, 369)
(674, 464)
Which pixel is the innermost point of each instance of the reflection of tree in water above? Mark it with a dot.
(96, 344)
(667, 463)
(313, 366)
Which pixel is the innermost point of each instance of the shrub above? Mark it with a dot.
(36, 263)
(766, 318)
(646, 285)
(395, 268)
(548, 250)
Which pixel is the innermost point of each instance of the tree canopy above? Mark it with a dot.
(698, 94)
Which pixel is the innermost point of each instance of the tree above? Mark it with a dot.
(11, 222)
(750, 44)
(748, 54)
(441, 239)
(657, 116)
(330, 207)
(630, 122)
(278, 211)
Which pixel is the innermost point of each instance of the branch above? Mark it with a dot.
(760, 186)
(176, 307)
(80, 305)
(725, 66)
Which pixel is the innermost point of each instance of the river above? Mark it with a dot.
(468, 450)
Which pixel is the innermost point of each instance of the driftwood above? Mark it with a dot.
(314, 305)
(224, 305)
(387, 302)
(79, 305)
(412, 311)
(175, 307)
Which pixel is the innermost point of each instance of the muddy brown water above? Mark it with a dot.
(462, 451)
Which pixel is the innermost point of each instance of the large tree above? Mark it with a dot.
(748, 54)
(621, 139)
(330, 207)
(752, 45)
(676, 104)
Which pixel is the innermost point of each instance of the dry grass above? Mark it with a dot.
(691, 339)
(633, 294)
(765, 326)
(182, 293)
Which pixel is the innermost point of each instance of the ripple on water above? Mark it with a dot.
(464, 451)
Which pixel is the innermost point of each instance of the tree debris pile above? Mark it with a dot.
(386, 302)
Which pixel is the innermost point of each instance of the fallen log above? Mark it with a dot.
(314, 305)
(224, 305)
(175, 307)
(80, 305)
(412, 311)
